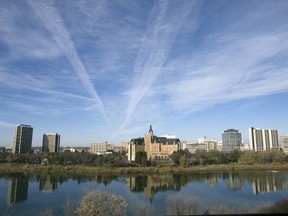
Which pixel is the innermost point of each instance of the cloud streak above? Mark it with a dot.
(163, 26)
(6, 124)
(165, 63)
(243, 68)
(51, 19)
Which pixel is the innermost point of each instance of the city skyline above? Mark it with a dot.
(105, 71)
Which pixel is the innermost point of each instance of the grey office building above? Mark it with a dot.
(22, 139)
(51, 142)
(231, 139)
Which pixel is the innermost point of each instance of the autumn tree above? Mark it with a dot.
(182, 205)
(279, 207)
(101, 203)
(182, 160)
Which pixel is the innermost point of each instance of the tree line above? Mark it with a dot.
(66, 158)
(202, 157)
(178, 158)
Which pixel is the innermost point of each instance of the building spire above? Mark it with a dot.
(150, 130)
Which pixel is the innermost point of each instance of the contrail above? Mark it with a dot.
(51, 19)
(6, 124)
(158, 39)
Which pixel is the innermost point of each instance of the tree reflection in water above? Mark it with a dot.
(149, 185)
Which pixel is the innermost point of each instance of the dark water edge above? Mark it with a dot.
(82, 169)
(211, 191)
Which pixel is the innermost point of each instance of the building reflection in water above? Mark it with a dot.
(211, 179)
(272, 182)
(152, 184)
(48, 183)
(261, 182)
(233, 181)
(17, 189)
(160, 183)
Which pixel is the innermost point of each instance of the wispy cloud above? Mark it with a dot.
(163, 25)
(41, 84)
(22, 41)
(139, 62)
(51, 19)
(243, 68)
(44, 91)
(6, 124)
(234, 62)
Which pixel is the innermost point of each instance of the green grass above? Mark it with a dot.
(82, 169)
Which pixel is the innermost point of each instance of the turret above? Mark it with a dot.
(150, 130)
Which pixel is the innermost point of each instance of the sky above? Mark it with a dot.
(96, 71)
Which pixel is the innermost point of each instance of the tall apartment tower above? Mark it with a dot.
(231, 139)
(51, 142)
(263, 139)
(22, 139)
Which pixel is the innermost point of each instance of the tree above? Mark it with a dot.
(219, 210)
(176, 155)
(248, 157)
(279, 207)
(182, 160)
(141, 158)
(101, 203)
(70, 206)
(182, 206)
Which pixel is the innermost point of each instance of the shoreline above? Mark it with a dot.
(82, 169)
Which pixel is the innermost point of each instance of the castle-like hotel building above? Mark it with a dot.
(156, 148)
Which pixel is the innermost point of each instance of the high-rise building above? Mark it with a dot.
(231, 139)
(22, 139)
(263, 139)
(51, 142)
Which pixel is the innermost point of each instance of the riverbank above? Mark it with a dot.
(81, 169)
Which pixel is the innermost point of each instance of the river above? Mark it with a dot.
(213, 192)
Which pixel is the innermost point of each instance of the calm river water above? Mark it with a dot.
(238, 192)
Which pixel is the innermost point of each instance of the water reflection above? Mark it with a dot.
(233, 181)
(149, 185)
(268, 183)
(17, 189)
(48, 183)
(262, 182)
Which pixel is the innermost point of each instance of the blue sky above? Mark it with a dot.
(106, 70)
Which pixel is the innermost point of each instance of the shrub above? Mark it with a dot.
(101, 203)
(182, 206)
(278, 207)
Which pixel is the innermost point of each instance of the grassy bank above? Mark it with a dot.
(81, 169)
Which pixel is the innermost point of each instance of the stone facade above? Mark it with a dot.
(156, 148)
(134, 146)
